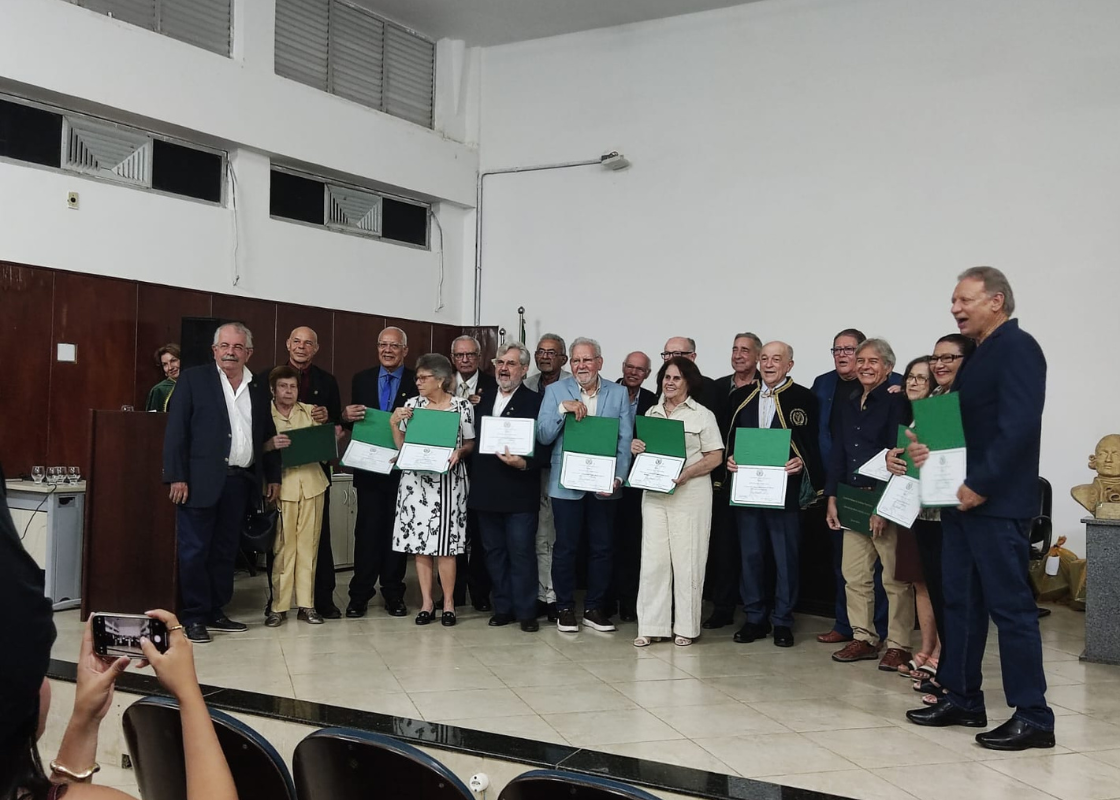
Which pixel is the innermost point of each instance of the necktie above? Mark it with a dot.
(386, 392)
(464, 390)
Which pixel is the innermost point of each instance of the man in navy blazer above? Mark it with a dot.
(505, 495)
(385, 387)
(986, 539)
(214, 457)
(584, 394)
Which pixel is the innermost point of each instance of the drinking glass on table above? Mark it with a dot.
(38, 474)
(54, 475)
(73, 474)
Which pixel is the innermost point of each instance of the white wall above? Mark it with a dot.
(51, 49)
(800, 166)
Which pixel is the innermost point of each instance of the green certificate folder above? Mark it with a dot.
(761, 455)
(664, 454)
(937, 421)
(665, 437)
(593, 436)
(375, 429)
(855, 507)
(904, 442)
(433, 428)
(310, 446)
(762, 447)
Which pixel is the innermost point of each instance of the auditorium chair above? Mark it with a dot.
(1042, 528)
(551, 784)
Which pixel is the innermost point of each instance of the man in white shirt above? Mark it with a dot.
(218, 456)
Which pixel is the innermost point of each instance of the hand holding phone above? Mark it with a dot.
(117, 635)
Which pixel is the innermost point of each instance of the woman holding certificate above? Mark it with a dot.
(675, 527)
(431, 519)
(303, 491)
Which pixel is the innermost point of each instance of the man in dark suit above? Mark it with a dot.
(721, 582)
(832, 388)
(1002, 388)
(214, 457)
(505, 495)
(777, 402)
(636, 369)
(319, 389)
(686, 347)
(385, 387)
(470, 383)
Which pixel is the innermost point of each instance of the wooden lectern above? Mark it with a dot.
(128, 558)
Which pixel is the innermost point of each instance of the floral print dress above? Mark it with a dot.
(431, 517)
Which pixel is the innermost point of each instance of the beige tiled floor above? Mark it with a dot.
(788, 716)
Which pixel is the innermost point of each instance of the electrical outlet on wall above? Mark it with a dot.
(72, 200)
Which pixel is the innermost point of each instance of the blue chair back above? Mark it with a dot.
(348, 764)
(551, 784)
(154, 734)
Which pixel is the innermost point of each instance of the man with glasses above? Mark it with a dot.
(584, 394)
(832, 389)
(551, 356)
(214, 457)
(684, 347)
(471, 382)
(385, 387)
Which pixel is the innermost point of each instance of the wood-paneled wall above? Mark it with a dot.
(117, 325)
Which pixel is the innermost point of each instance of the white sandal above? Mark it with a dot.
(646, 641)
(682, 641)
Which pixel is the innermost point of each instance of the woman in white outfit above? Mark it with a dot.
(675, 527)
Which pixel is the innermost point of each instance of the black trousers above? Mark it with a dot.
(627, 562)
(928, 534)
(721, 584)
(471, 573)
(324, 563)
(374, 557)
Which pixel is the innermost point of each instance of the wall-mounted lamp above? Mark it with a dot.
(612, 160)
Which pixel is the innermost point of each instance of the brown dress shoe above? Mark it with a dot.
(893, 659)
(857, 650)
(833, 637)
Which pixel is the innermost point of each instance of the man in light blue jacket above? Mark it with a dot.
(584, 394)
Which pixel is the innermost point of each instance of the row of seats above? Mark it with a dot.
(329, 764)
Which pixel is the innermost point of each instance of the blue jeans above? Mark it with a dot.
(570, 517)
(207, 550)
(511, 557)
(782, 529)
(984, 572)
(843, 626)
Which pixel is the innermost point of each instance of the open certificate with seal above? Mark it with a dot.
(590, 454)
(371, 444)
(430, 438)
(660, 465)
(761, 455)
(497, 433)
(937, 421)
(902, 498)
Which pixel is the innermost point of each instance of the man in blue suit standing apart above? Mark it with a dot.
(1002, 387)
(584, 394)
(214, 457)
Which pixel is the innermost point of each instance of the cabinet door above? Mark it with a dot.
(352, 523)
(342, 527)
(35, 539)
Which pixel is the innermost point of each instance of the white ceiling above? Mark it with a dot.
(490, 22)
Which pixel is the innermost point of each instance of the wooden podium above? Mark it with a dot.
(128, 558)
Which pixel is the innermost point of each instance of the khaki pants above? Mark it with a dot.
(546, 540)
(297, 548)
(860, 554)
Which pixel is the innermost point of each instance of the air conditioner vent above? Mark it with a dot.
(107, 151)
(352, 209)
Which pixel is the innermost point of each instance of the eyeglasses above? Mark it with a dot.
(843, 351)
(948, 358)
(389, 346)
(226, 346)
(464, 356)
(420, 376)
(667, 354)
(511, 363)
(547, 353)
(917, 379)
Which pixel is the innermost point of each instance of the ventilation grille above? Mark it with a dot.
(202, 23)
(108, 152)
(353, 210)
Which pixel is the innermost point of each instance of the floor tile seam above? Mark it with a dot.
(806, 740)
(685, 735)
(875, 771)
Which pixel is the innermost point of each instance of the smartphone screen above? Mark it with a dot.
(116, 635)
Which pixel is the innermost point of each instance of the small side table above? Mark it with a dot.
(1102, 591)
(53, 516)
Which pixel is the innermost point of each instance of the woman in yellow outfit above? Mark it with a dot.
(302, 492)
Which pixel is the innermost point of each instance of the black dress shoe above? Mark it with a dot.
(1015, 735)
(329, 612)
(355, 610)
(752, 631)
(530, 625)
(945, 714)
(224, 624)
(448, 619)
(718, 619)
(424, 618)
(498, 620)
(396, 608)
(783, 636)
(483, 606)
(197, 633)
(627, 613)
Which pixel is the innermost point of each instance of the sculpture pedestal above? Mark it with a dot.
(1102, 585)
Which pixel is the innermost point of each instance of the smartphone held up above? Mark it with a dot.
(116, 635)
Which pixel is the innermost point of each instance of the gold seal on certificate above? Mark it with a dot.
(582, 472)
(654, 472)
(942, 476)
(424, 458)
(759, 486)
(498, 433)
